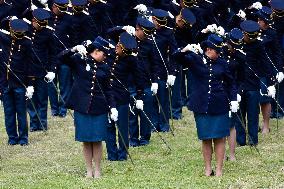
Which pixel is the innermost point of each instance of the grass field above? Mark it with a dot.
(54, 160)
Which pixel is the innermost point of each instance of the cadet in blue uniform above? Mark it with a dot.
(256, 67)
(278, 20)
(144, 30)
(185, 21)
(82, 23)
(17, 56)
(125, 63)
(61, 22)
(44, 67)
(210, 98)
(236, 61)
(99, 12)
(273, 51)
(165, 44)
(90, 98)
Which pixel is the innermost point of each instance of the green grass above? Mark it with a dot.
(54, 160)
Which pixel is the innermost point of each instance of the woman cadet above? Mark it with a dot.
(91, 99)
(210, 99)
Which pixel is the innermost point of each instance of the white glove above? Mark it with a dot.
(241, 14)
(271, 91)
(197, 48)
(154, 88)
(141, 8)
(129, 29)
(239, 98)
(220, 31)
(80, 49)
(256, 5)
(50, 76)
(14, 18)
(171, 80)
(212, 28)
(139, 104)
(29, 92)
(33, 7)
(188, 47)
(150, 18)
(280, 77)
(234, 106)
(114, 114)
(43, 2)
(87, 43)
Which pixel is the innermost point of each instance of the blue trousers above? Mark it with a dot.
(145, 125)
(177, 102)
(39, 110)
(118, 152)
(249, 114)
(14, 102)
(65, 80)
(161, 111)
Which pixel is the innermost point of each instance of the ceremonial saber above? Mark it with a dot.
(169, 87)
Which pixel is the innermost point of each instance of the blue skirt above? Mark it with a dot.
(90, 128)
(212, 126)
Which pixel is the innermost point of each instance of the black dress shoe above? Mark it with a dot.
(33, 129)
(12, 143)
(24, 143)
(62, 115)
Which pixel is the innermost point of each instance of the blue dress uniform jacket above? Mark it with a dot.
(100, 13)
(145, 59)
(257, 60)
(19, 7)
(162, 4)
(236, 62)
(4, 10)
(167, 45)
(63, 30)
(17, 54)
(45, 52)
(91, 92)
(209, 95)
(121, 70)
(273, 49)
(83, 28)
